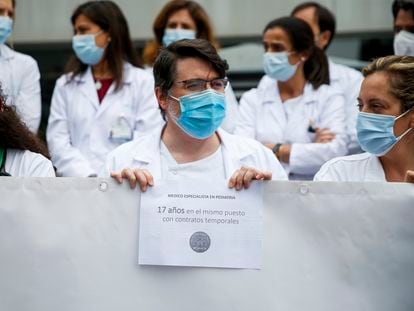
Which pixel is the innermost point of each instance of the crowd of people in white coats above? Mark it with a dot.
(176, 116)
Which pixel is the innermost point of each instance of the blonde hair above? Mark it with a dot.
(400, 72)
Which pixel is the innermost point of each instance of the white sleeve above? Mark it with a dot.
(246, 125)
(68, 160)
(327, 173)
(28, 99)
(351, 111)
(307, 158)
(41, 167)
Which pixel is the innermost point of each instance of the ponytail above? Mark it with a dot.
(316, 68)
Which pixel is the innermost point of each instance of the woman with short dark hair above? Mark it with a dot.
(104, 99)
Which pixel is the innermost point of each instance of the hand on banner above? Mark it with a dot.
(134, 177)
(244, 176)
(409, 176)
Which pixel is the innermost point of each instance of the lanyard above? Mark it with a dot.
(1, 157)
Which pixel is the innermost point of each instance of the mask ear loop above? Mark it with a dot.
(408, 130)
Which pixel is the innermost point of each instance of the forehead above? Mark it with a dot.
(404, 17)
(194, 68)
(276, 34)
(82, 20)
(181, 16)
(309, 16)
(6, 4)
(376, 85)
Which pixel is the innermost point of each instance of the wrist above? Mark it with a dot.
(276, 150)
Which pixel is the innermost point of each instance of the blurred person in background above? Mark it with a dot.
(190, 80)
(104, 99)
(19, 73)
(346, 79)
(294, 112)
(22, 154)
(403, 12)
(385, 126)
(185, 19)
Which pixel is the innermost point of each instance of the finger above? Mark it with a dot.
(264, 175)
(239, 179)
(117, 176)
(409, 176)
(248, 176)
(149, 177)
(130, 176)
(232, 181)
(141, 179)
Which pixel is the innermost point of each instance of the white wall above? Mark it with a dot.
(48, 20)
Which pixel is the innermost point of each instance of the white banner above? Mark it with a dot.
(72, 244)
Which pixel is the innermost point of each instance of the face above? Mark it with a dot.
(308, 15)
(186, 69)
(84, 26)
(404, 21)
(6, 8)
(181, 20)
(375, 97)
(277, 40)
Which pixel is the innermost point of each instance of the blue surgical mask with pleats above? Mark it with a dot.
(174, 34)
(86, 49)
(6, 26)
(375, 132)
(201, 113)
(276, 65)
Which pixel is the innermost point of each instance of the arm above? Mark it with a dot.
(28, 99)
(246, 125)
(232, 110)
(307, 158)
(68, 160)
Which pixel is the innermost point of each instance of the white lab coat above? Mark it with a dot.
(232, 107)
(20, 80)
(79, 126)
(349, 81)
(237, 152)
(355, 168)
(24, 163)
(265, 118)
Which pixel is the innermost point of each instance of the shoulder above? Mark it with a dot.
(29, 164)
(137, 74)
(344, 168)
(344, 73)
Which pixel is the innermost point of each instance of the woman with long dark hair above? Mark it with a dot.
(22, 154)
(104, 99)
(294, 111)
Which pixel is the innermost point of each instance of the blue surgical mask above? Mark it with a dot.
(6, 26)
(86, 49)
(276, 65)
(201, 113)
(376, 132)
(171, 35)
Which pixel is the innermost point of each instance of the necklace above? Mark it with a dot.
(98, 84)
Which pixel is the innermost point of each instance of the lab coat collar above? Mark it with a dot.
(87, 75)
(6, 52)
(149, 157)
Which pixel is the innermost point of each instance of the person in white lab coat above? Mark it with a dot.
(189, 85)
(294, 112)
(22, 154)
(384, 127)
(403, 12)
(19, 73)
(186, 19)
(104, 99)
(346, 79)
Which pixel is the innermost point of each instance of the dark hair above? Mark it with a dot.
(108, 16)
(325, 18)
(197, 13)
(165, 66)
(406, 5)
(316, 67)
(14, 134)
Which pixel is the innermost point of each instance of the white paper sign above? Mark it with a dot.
(199, 223)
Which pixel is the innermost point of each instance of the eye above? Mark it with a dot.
(218, 84)
(172, 25)
(194, 85)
